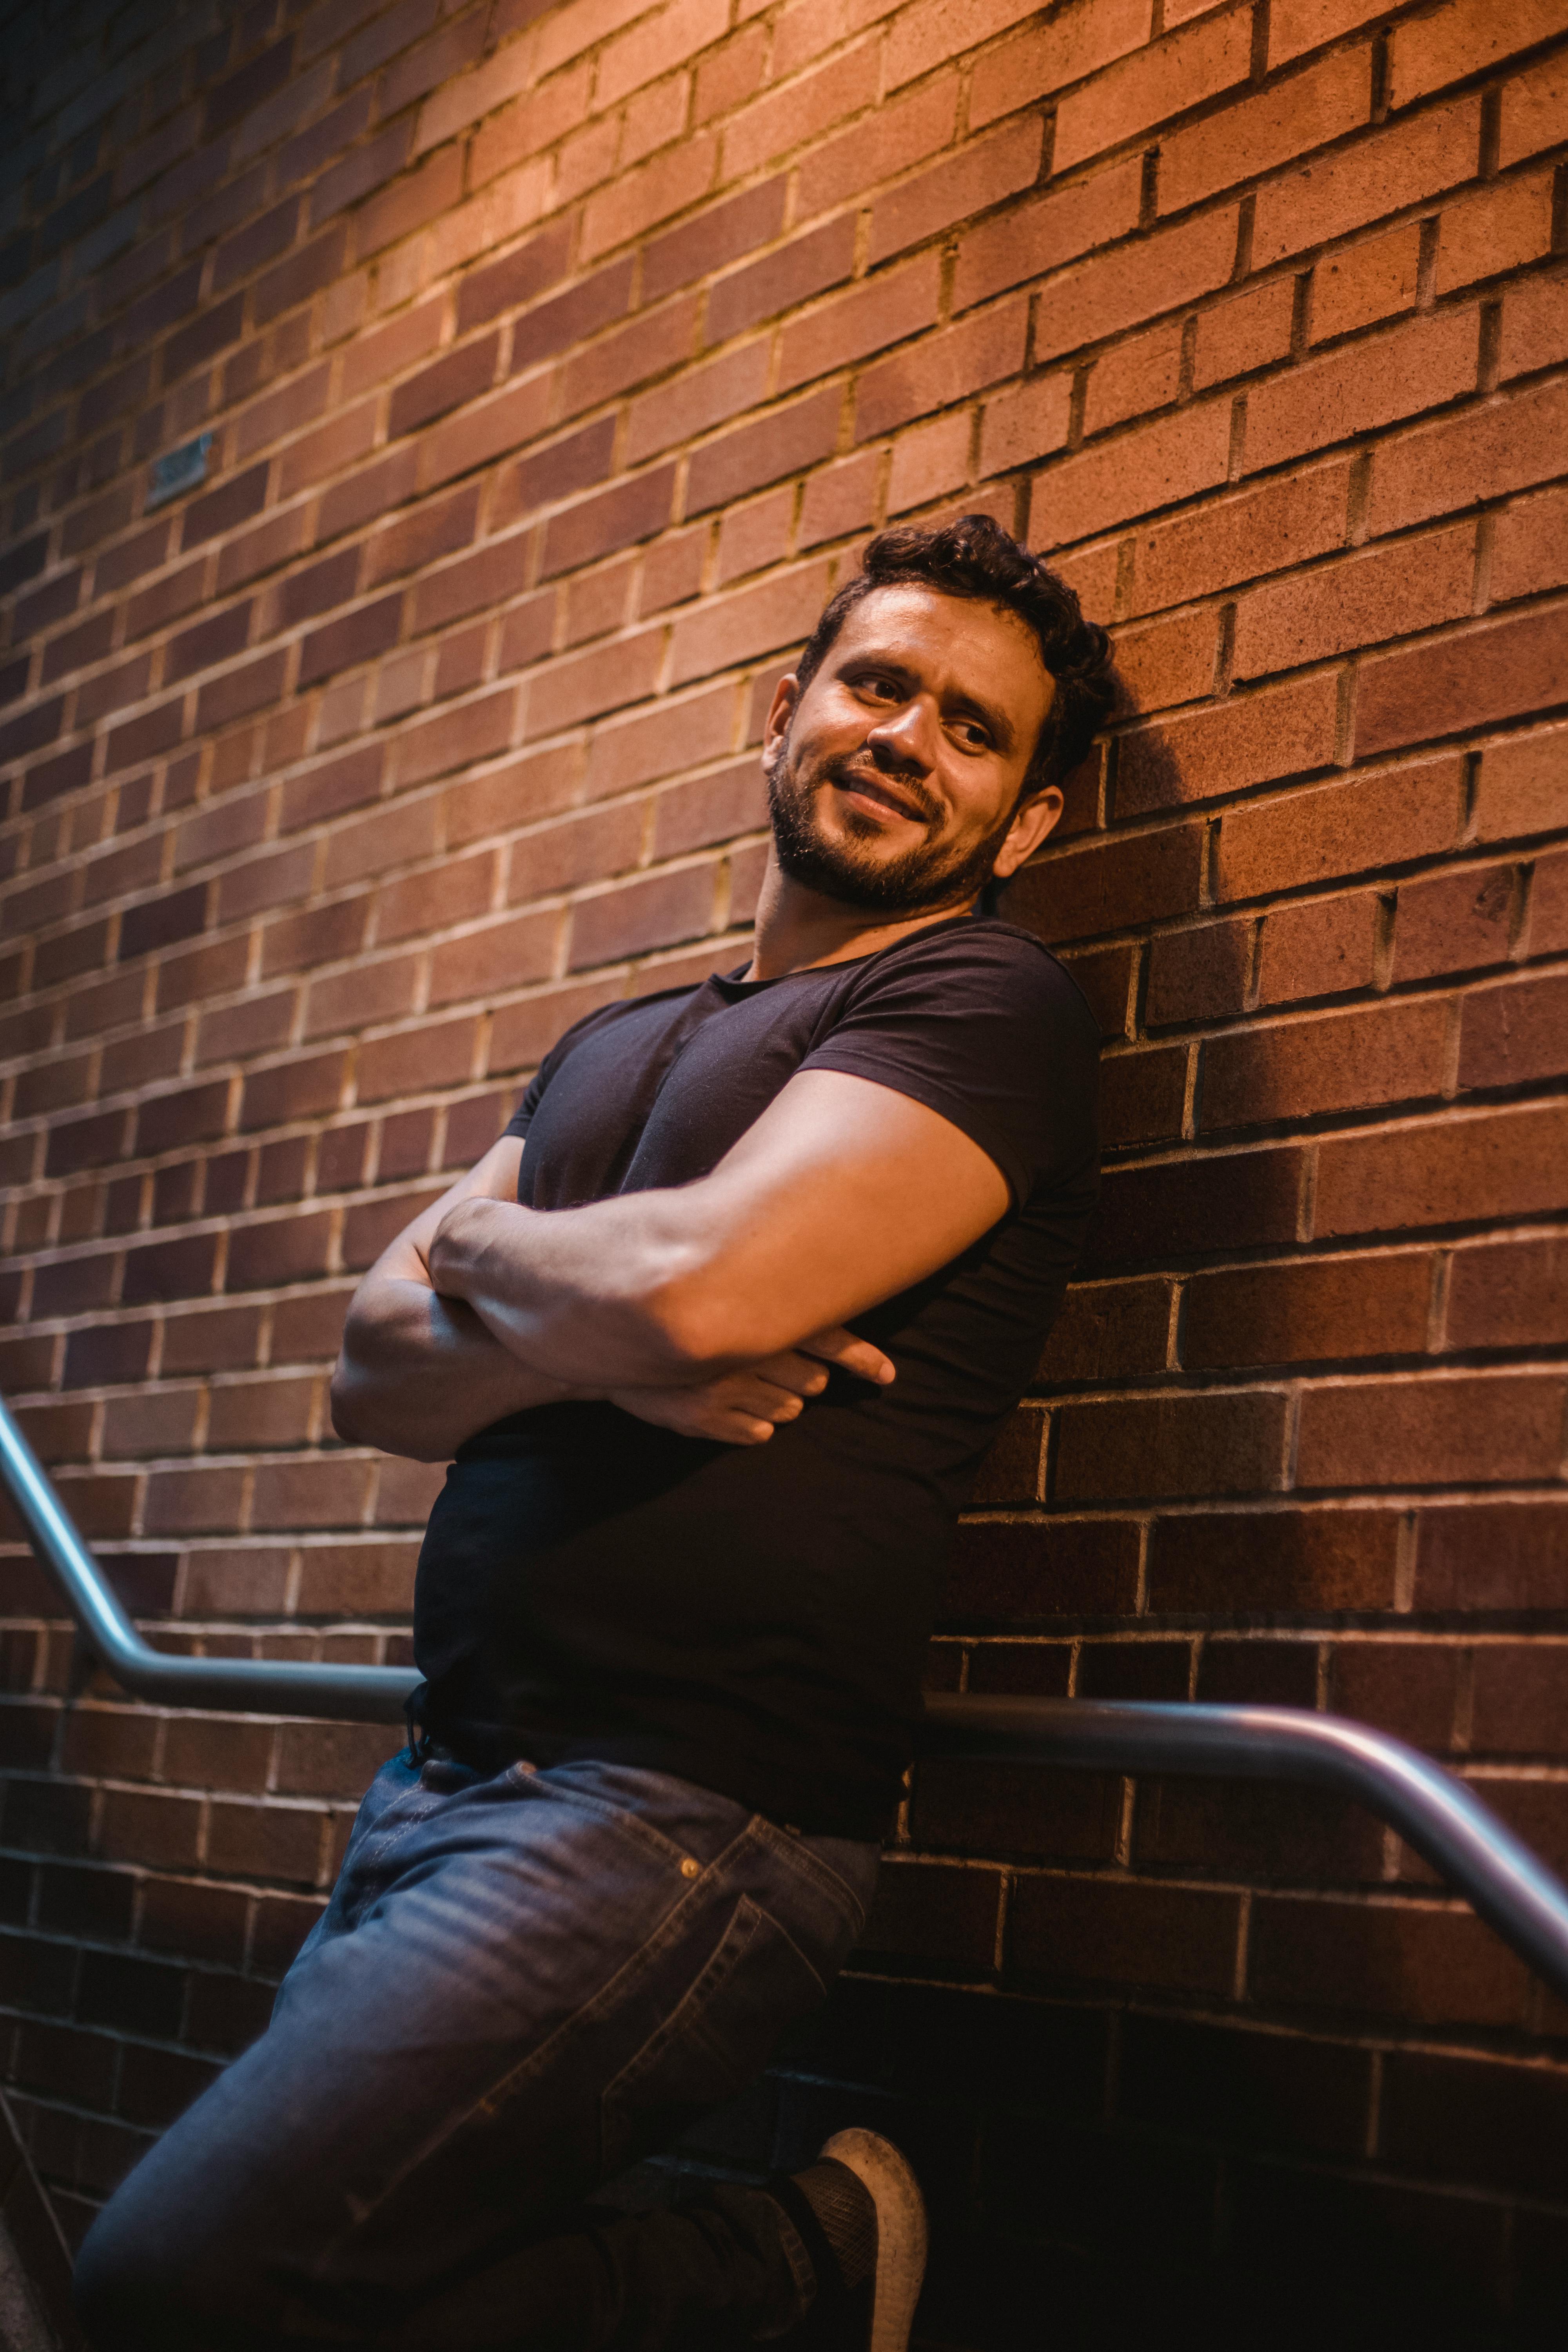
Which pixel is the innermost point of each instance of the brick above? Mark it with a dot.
(1135, 378)
(787, 276)
(783, 442)
(1033, 237)
(1232, 745)
(1453, 922)
(582, 849)
(1410, 1689)
(639, 199)
(1466, 37)
(1503, 227)
(1290, 1560)
(1323, 948)
(1467, 1167)
(1505, 1294)
(1112, 291)
(1047, 57)
(1414, 1961)
(1496, 670)
(1314, 1311)
(1521, 785)
(616, 518)
(1262, 2090)
(1512, 1034)
(1365, 283)
(783, 119)
(1484, 1554)
(721, 235)
(1026, 423)
(1532, 111)
(1337, 1061)
(1213, 1445)
(1152, 85)
(637, 916)
(1240, 538)
(653, 342)
(503, 956)
(851, 326)
(1529, 548)
(1368, 384)
(1297, 26)
(968, 182)
(879, 147)
(1198, 974)
(1143, 1095)
(1388, 592)
(943, 368)
(1124, 1932)
(1518, 1698)
(1375, 820)
(1153, 465)
(1257, 134)
(756, 620)
(1238, 1201)
(470, 731)
(1534, 327)
(675, 736)
(1109, 1330)
(1109, 885)
(1408, 163)
(448, 383)
(1448, 1431)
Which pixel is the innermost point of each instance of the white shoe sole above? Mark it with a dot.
(900, 2232)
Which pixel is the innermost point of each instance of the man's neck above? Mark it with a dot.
(798, 929)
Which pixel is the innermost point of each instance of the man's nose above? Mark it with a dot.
(903, 738)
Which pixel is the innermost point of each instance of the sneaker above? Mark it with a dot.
(859, 2211)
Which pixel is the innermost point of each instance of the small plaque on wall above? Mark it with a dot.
(181, 469)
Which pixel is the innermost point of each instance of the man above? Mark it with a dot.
(717, 1334)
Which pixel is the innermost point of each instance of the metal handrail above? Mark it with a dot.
(262, 1685)
(1433, 1809)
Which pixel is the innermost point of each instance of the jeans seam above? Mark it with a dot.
(606, 1995)
(811, 1866)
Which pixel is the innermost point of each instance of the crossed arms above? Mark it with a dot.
(713, 1307)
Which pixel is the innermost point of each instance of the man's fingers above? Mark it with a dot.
(839, 1347)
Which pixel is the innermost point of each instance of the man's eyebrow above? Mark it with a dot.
(1001, 725)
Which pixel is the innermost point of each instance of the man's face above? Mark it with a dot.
(893, 780)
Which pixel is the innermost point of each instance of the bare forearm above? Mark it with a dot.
(590, 1295)
(419, 1373)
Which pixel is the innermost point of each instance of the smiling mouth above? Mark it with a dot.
(880, 792)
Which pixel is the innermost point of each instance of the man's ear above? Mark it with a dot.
(1034, 820)
(781, 710)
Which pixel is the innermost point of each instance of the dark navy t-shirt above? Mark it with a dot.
(754, 1618)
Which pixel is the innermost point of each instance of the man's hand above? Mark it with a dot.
(745, 1407)
(841, 1194)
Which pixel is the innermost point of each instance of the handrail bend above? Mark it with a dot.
(267, 1686)
(1439, 1814)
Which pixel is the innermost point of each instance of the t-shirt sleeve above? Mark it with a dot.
(517, 1123)
(986, 1029)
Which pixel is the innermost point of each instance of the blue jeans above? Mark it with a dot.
(524, 1981)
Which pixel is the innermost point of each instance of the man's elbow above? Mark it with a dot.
(345, 1403)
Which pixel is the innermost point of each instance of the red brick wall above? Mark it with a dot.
(557, 360)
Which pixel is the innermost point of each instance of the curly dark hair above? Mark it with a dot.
(974, 558)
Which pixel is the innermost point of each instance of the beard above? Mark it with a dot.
(914, 882)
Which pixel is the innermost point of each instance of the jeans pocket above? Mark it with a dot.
(718, 2038)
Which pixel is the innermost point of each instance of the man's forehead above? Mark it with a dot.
(911, 615)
